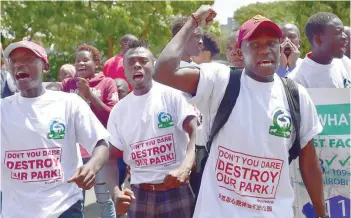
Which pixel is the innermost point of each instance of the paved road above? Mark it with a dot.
(91, 209)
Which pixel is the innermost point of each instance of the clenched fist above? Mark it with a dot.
(205, 15)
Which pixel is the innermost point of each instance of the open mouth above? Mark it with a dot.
(287, 51)
(138, 77)
(22, 76)
(265, 63)
(81, 69)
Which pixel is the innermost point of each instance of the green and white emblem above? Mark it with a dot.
(57, 129)
(165, 120)
(281, 124)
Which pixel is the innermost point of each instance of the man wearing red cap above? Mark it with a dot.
(247, 171)
(39, 157)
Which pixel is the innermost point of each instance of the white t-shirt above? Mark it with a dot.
(247, 173)
(149, 131)
(39, 152)
(310, 74)
(201, 135)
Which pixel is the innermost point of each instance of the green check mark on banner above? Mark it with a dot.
(331, 161)
(343, 163)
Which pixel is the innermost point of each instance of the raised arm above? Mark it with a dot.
(167, 69)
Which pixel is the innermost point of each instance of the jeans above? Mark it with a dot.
(75, 211)
(107, 207)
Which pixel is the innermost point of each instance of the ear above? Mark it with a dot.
(46, 67)
(299, 44)
(317, 39)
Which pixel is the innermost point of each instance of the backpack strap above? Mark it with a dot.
(292, 95)
(226, 106)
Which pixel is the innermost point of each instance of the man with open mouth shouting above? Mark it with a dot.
(39, 155)
(247, 170)
(156, 133)
(289, 51)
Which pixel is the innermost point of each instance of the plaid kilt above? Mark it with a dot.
(174, 203)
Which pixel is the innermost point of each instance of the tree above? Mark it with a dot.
(61, 26)
(296, 12)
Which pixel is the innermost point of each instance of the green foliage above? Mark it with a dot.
(296, 12)
(63, 25)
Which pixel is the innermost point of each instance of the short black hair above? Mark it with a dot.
(211, 43)
(94, 52)
(178, 23)
(316, 23)
(138, 44)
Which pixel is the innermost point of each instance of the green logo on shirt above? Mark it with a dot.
(281, 124)
(57, 129)
(165, 120)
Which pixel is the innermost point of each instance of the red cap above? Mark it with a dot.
(34, 47)
(249, 27)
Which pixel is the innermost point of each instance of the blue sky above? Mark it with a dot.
(225, 8)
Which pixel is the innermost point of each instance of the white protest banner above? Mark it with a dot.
(333, 149)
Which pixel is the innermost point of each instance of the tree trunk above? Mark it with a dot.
(110, 46)
(146, 31)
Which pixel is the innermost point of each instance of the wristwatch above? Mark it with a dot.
(326, 216)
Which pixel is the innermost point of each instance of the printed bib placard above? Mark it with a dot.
(248, 175)
(36, 165)
(154, 152)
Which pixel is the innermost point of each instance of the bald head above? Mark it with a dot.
(66, 71)
(122, 87)
(347, 32)
(290, 26)
(292, 32)
(125, 40)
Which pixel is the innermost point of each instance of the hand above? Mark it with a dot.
(283, 58)
(205, 14)
(294, 55)
(176, 178)
(122, 201)
(84, 88)
(84, 177)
